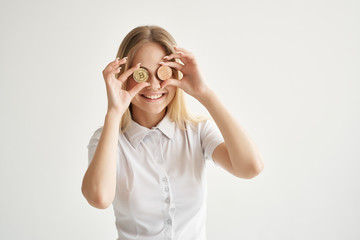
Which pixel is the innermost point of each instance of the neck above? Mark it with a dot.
(148, 120)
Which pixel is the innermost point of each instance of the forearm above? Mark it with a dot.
(99, 182)
(242, 151)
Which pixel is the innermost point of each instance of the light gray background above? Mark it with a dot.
(287, 70)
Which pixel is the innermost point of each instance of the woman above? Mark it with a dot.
(148, 159)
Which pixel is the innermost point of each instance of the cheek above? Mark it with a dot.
(171, 90)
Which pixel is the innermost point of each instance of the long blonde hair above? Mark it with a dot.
(176, 109)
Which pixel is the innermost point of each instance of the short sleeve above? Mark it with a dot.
(94, 140)
(210, 137)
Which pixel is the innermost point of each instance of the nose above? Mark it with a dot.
(154, 83)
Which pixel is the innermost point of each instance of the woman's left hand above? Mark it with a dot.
(192, 82)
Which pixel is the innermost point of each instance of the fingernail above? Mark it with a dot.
(125, 57)
(165, 57)
(161, 62)
(139, 64)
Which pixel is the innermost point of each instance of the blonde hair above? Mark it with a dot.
(176, 109)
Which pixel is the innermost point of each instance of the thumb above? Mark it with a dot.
(137, 88)
(171, 82)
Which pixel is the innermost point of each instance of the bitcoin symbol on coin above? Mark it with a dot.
(141, 75)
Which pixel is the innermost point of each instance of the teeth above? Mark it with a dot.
(153, 96)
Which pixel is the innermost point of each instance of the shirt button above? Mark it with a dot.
(167, 200)
(164, 179)
(169, 221)
(166, 189)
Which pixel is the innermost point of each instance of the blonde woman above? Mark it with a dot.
(148, 160)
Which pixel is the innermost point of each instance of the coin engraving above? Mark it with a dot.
(164, 72)
(140, 75)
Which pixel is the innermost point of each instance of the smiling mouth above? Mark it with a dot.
(153, 96)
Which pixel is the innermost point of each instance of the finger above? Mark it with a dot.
(176, 65)
(137, 88)
(181, 50)
(123, 77)
(189, 55)
(117, 70)
(174, 55)
(117, 62)
(171, 82)
(114, 65)
(184, 57)
(122, 61)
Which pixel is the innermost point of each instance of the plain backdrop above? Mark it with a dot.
(288, 70)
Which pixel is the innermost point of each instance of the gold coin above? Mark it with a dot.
(164, 72)
(140, 75)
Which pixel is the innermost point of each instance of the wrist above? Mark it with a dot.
(205, 95)
(114, 114)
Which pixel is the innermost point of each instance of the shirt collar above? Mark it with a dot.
(135, 133)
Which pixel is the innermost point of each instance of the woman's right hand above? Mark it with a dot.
(118, 98)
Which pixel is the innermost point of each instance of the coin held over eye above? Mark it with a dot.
(164, 72)
(140, 75)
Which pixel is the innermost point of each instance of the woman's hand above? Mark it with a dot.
(119, 99)
(192, 82)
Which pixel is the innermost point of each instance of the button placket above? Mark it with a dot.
(169, 230)
(166, 188)
(164, 179)
(172, 210)
(158, 144)
(169, 206)
(165, 183)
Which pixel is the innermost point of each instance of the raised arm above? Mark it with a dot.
(238, 155)
(99, 182)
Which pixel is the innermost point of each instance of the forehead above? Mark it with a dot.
(149, 55)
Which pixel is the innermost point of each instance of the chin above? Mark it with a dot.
(154, 111)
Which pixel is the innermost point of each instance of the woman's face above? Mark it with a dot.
(149, 55)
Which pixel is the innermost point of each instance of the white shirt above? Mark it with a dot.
(161, 180)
